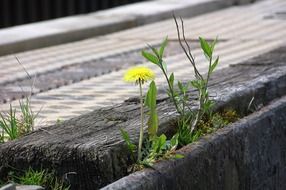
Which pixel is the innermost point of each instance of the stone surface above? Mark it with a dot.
(91, 145)
(21, 187)
(9, 186)
(29, 187)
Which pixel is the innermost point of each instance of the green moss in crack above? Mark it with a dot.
(206, 126)
(218, 120)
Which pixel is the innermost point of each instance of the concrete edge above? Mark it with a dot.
(73, 28)
(168, 174)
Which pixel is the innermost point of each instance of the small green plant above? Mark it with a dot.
(179, 95)
(158, 147)
(28, 117)
(8, 124)
(44, 178)
(155, 147)
(32, 177)
(139, 75)
(14, 126)
(192, 123)
(205, 106)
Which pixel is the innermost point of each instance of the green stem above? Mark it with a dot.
(198, 115)
(142, 123)
(171, 91)
(209, 71)
(202, 98)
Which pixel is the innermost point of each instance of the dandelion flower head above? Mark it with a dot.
(139, 74)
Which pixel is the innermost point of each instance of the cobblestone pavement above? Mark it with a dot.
(75, 78)
(77, 72)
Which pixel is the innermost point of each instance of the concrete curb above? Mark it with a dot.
(245, 155)
(12, 186)
(63, 30)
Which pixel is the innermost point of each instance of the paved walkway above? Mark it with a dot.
(244, 32)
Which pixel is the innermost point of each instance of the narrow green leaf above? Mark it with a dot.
(147, 163)
(179, 156)
(162, 141)
(181, 87)
(163, 46)
(127, 140)
(188, 85)
(153, 124)
(171, 79)
(150, 102)
(150, 57)
(206, 47)
(174, 141)
(195, 84)
(213, 44)
(125, 135)
(155, 51)
(213, 66)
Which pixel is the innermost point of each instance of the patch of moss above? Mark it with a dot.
(216, 121)
(205, 126)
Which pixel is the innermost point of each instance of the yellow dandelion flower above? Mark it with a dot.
(139, 75)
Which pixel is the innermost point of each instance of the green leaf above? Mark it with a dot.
(183, 88)
(161, 142)
(163, 46)
(171, 79)
(213, 44)
(153, 124)
(213, 66)
(196, 84)
(155, 51)
(147, 163)
(179, 156)
(206, 47)
(158, 144)
(150, 102)
(125, 135)
(126, 138)
(174, 142)
(150, 57)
